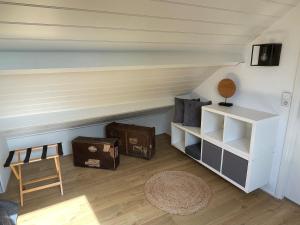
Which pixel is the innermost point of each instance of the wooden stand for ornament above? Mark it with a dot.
(226, 104)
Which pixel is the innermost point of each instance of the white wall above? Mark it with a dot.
(160, 120)
(4, 172)
(260, 88)
(288, 178)
(292, 190)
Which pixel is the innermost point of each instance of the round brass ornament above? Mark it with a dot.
(226, 88)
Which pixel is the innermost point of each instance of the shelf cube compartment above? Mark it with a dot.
(235, 168)
(211, 155)
(191, 139)
(178, 138)
(193, 146)
(237, 135)
(213, 126)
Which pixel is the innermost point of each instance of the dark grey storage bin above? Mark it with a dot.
(194, 151)
(211, 155)
(235, 168)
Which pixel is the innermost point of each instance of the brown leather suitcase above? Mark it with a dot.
(134, 140)
(99, 153)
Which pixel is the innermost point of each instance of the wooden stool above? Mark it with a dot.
(16, 167)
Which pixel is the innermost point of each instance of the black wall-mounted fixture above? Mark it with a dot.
(266, 54)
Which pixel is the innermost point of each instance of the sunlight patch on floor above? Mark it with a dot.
(72, 211)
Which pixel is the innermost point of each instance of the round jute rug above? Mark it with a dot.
(177, 192)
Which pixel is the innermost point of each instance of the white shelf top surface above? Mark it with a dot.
(193, 130)
(240, 147)
(238, 112)
(215, 135)
(179, 145)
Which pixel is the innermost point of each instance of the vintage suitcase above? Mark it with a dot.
(99, 153)
(134, 140)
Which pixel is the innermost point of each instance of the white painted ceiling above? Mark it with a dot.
(136, 24)
(217, 29)
(71, 98)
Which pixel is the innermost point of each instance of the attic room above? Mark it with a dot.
(182, 112)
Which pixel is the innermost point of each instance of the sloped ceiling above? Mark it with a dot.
(136, 24)
(217, 30)
(44, 99)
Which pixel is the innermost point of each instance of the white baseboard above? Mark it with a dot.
(161, 121)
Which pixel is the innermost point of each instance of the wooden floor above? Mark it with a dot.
(104, 197)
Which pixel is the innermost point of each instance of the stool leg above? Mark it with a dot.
(21, 185)
(15, 172)
(58, 169)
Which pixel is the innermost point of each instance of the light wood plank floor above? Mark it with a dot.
(103, 197)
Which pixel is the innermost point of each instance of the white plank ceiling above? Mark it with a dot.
(135, 24)
(44, 99)
(40, 98)
(44, 92)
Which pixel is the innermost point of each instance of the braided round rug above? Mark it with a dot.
(177, 192)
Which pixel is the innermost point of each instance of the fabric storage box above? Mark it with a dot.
(212, 155)
(235, 168)
(194, 151)
(134, 140)
(99, 153)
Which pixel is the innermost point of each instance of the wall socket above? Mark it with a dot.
(286, 98)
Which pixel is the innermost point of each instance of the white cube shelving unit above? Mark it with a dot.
(236, 143)
(213, 128)
(237, 136)
(178, 140)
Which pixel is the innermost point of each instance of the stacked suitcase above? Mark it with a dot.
(99, 153)
(103, 153)
(134, 140)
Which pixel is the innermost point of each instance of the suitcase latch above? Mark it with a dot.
(106, 148)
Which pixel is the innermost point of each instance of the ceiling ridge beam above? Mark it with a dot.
(174, 2)
(16, 72)
(119, 13)
(126, 42)
(279, 3)
(70, 94)
(123, 29)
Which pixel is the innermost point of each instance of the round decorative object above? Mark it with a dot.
(226, 88)
(177, 192)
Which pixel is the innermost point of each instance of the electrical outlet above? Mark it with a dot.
(286, 98)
